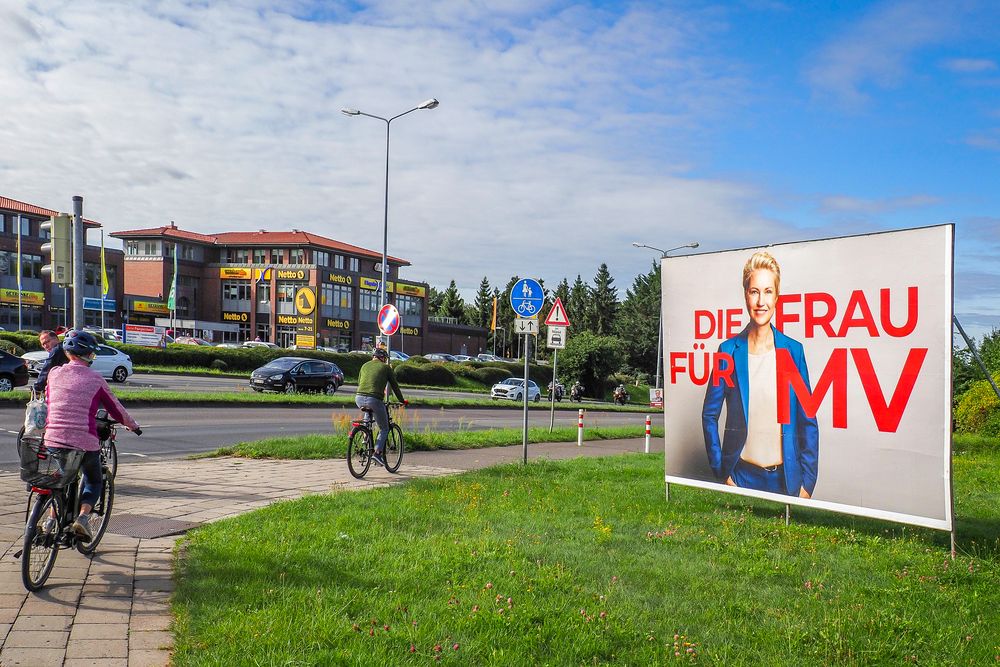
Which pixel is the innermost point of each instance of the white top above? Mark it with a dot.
(763, 445)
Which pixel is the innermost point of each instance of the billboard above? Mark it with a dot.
(815, 373)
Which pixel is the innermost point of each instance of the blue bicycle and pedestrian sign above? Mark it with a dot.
(527, 297)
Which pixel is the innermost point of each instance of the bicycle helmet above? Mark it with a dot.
(380, 354)
(80, 343)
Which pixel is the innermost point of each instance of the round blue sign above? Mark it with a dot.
(527, 297)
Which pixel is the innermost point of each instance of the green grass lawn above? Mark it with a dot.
(584, 562)
(334, 446)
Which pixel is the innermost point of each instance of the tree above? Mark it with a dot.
(452, 304)
(591, 359)
(637, 323)
(603, 306)
(562, 292)
(434, 298)
(483, 305)
(505, 318)
(578, 305)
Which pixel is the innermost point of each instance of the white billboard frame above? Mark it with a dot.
(946, 521)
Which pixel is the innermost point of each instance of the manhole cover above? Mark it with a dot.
(147, 527)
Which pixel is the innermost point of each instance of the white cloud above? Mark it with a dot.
(846, 204)
(876, 51)
(560, 137)
(969, 65)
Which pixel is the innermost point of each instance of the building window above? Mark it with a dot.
(277, 256)
(321, 258)
(263, 292)
(259, 256)
(151, 248)
(189, 252)
(297, 256)
(338, 262)
(286, 335)
(355, 264)
(264, 331)
(236, 290)
(368, 305)
(237, 256)
(31, 265)
(3, 223)
(411, 309)
(25, 226)
(132, 248)
(286, 297)
(336, 300)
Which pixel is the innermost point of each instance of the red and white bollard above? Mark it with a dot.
(648, 431)
(579, 429)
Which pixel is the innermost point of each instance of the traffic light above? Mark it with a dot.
(60, 249)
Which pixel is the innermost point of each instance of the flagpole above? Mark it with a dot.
(104, 289)
(19, 270)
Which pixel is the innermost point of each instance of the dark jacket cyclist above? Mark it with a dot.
(372, 381)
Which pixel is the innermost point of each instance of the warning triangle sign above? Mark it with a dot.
(557, 316)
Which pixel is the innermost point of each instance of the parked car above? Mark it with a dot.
(260, 343)
(294, 374)
(230, 345)
(192, 340)
(513, 388)
(13, 371)
(109, 362)
(487, 357)
(439, 356)
(463, 357)
(396, 355)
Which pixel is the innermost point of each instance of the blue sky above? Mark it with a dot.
(565, 132)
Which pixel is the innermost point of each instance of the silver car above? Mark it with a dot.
(109, 362)
(513, 388)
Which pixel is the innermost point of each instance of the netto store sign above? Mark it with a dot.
(291, 274)
(156, 307)
(339, 279)
(397, 288)
(342, 325)
(235, 273)
(295, 320)
(27, 298)
(235, 317)
(409, 331)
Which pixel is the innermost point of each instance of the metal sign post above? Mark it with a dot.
(557, 323)
(526, 299)
(552, 392)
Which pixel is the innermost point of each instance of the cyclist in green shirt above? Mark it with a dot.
(372, 380)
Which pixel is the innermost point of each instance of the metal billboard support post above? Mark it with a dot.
(552, 392)
(524, 431)
(972, 348)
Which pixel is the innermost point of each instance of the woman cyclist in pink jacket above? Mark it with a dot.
(74, 393)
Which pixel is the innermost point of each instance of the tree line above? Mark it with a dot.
(611, 332)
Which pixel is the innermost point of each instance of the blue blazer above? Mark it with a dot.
(799, 438)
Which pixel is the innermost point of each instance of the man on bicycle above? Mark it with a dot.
(74, 392)
(372, 380)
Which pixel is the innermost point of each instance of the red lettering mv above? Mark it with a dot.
(719, 367)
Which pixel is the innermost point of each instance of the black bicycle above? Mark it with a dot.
(361, 443)
(53, 474)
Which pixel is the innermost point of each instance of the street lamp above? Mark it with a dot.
(347, 111)
(659, 339)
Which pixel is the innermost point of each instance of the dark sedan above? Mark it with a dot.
(13, 371)
(292, 374)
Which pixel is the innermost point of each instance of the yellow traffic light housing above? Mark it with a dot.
(60, 249)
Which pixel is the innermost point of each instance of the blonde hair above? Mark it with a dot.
(762, 260)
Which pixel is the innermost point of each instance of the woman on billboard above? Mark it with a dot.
(758, 452)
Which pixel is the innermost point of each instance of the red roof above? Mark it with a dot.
(21, 207)
(262, 238)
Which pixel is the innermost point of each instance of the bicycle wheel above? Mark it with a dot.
(38, 555)
(394, 448)
(359, 451)
(100, 515)
(109, 455)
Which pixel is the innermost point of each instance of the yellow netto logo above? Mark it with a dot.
(337, 324)
(291, 274)
(339, 279)
(235, 317)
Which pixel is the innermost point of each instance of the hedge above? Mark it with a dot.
(978, 410)
(431, 375)
(491, 376)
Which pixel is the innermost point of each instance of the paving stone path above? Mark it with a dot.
(113, 609)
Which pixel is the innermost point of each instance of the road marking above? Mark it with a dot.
(142, 456)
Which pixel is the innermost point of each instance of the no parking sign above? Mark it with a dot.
(388, 319)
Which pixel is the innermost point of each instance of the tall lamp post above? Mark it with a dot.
(659, 339)
(427, 104)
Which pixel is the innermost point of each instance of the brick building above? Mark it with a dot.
(238, 286)
(42, 304)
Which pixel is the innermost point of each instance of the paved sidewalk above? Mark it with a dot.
(114, 609)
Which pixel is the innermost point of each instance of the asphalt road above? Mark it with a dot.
(172, 432)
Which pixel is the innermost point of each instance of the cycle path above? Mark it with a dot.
(113, 609)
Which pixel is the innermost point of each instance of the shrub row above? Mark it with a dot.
(978, 410)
